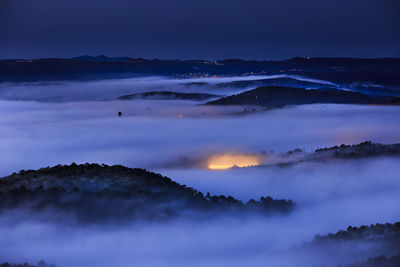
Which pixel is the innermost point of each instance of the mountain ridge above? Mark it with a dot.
(385, 71)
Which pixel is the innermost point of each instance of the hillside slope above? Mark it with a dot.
(95, 193)
(280, 96)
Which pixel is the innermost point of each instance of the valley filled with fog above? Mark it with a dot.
(46, 124)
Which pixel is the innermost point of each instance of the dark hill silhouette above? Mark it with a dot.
(381, 239)
(377, 231)
(290, 82)
(362, 150)
(168, 95)
(380, 261)
(98, 193)
(40, 264)
(280, 96)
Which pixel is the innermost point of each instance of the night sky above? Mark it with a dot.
(207, 29)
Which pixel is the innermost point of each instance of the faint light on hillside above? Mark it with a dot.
(227, 161)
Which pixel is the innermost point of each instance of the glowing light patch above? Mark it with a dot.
(227, 161)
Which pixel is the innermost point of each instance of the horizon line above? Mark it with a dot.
(121, 58)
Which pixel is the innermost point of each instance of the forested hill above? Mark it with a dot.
(97, 193)
(280, 96)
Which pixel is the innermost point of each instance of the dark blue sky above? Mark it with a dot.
(210, 29)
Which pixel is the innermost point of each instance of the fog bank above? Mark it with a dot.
(163, 136)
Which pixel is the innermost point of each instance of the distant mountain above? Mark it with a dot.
(345, 71)
(276, 96)
(101, 193)
(102, 58)
(165, 95)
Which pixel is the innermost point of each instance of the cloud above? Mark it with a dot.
(329, 196)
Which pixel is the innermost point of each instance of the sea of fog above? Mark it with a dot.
(98, 90)
(45, 130)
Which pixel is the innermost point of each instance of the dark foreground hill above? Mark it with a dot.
(386, 238)
(380, 261)
(96, 193)
(381, 239)
(276, 96)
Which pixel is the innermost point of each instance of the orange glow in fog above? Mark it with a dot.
(226, 161)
